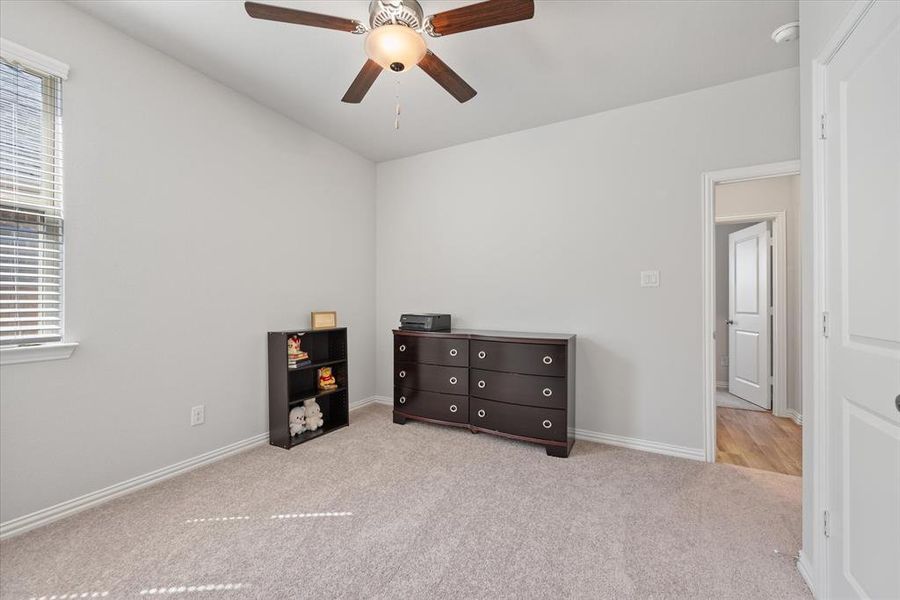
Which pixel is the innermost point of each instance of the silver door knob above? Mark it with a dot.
(402, 374)
(402, 399)
(453, 352)
(482, 354)
(481, 413)
(548, 360)
(547, 392)
(481, 384)
(547, 424)
(402, 347)
(453, 408)
(729, 322)
(453, 381)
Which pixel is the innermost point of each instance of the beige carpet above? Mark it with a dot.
(421, 511)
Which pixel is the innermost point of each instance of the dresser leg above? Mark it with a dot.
(399, 420)
(558, 451)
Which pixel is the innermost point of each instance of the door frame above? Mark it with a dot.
(779, 297)
(709, 180)
(815, 569)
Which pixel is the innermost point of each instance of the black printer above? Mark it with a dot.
(425, 322)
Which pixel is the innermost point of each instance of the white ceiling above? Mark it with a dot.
(574, 58)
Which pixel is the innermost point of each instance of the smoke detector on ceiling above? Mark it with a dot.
(786, 33)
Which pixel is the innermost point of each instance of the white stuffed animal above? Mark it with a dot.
(297, 419)
(313, 414)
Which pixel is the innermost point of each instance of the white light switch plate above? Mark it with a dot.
(649, 278)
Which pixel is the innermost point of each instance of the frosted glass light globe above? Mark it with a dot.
(395, 47)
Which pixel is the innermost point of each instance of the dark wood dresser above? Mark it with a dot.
(516, 385)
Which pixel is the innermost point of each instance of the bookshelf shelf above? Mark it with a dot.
(289, 387)
(317, 365)
(314, 394)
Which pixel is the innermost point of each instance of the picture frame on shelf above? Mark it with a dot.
(323, 319)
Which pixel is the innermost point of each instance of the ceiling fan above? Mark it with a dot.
(394, 36)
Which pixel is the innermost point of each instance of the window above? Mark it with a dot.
(31, 204)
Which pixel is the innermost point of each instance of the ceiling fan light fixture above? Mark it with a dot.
(395, 47)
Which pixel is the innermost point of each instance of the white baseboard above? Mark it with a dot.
(639, 444)
(795, 416)
(806, 572)
(371, 400)
(721, 385)
(70, 507)
(361, 403)
(603, 438)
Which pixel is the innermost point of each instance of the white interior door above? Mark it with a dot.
(862, 199)
(748, 315)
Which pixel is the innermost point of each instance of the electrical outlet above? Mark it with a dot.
(197, 416)
(649, 278)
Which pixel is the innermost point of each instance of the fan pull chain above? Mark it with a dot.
(397, 111)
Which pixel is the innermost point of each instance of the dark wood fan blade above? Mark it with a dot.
(483, 14)
(364, 80)
(446, 77)
(299, 17)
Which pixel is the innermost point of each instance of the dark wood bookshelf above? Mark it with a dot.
(308, 435)
(289, 387)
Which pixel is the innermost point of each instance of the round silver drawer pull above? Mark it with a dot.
(482, 354)
(453, 381)
(481, 384)
(453, 352)
(402, 399)
(402, 347)
(548, 360)
(402, 374)
(453, 408)
(548, 392)
(547, 424)
(481, 413)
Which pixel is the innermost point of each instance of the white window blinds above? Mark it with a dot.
(31, 209)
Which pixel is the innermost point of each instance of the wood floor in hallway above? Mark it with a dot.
(758, 440)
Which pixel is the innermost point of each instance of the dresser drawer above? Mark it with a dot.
(432, 378)
(432, 350)
(443, 407)
(528, 390)
(531, 359)
(527, 421)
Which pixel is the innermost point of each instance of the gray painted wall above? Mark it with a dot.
(548, 229)
(196, 221)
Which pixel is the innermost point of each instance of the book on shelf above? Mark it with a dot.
(296, 364)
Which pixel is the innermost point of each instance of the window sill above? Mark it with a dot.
(37, 353)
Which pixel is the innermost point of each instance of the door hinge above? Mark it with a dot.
(826, 525)
(826, 328)
(823, 131)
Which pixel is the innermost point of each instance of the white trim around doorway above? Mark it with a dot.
(708, 230)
